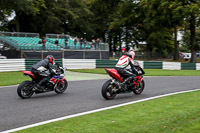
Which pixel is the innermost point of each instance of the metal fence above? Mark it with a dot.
(19, 34)
(81, 44)
(9, 39)
(30, 42)
(60, 36)
(67, 54)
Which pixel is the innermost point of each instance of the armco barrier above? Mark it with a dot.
(12, 65)
(141, 63)
(79, 63)
(25, 64)
(105, 63)
(152, 65)
(172, 65)
(197, 66)
(188, 66)
(110, 63)
(29, 63)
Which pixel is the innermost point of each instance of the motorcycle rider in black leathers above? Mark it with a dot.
(40, 67)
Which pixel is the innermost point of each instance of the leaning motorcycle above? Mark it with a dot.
(57, 83)
(112, 87)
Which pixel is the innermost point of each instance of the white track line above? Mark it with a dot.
(93, 111)
(8, 86)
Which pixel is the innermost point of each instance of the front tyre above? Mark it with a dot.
(61, 87)
(24, 90)
(107, 92)
(139, 88)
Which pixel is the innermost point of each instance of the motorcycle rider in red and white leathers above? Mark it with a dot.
(123, 63)
(40, 67)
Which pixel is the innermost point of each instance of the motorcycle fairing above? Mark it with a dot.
(57, 79)
(113, 73)
(61, 80)
(29, 73)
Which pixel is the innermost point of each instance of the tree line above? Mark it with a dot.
(155, 22)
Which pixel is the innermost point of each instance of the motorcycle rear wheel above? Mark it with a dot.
(24, 90)
(61, 87)
(139, 89)
(106, 90)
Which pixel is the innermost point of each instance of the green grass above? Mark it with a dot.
(177, 113)
(149, 72)
(96, 71)
(12, 78)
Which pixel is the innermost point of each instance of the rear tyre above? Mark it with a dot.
(61, 87)
(139, 89)
(107, 92)
(24, 90)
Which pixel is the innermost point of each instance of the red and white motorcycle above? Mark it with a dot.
(111, 87)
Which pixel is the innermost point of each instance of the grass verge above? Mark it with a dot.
(177, 113)
(13, 78)
(148, 72)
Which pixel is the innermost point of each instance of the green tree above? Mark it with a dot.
(155, 26)
(185, 42)
(126, 20)
(174, 13)
(104, 11)
(29, 7)
(192, 8)
(58, 16)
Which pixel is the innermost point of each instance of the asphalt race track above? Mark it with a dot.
(80, 96)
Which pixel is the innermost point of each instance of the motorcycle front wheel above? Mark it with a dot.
(24, 90)
(61, 87)
(139, 88)
(107, 92)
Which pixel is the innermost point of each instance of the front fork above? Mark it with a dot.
(137, 83)
(57, 82)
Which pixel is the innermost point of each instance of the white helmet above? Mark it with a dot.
(131, 53)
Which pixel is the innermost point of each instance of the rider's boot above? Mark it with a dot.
(40, 87)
